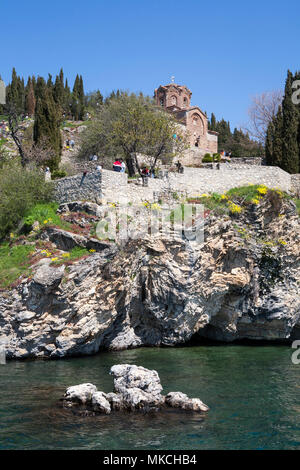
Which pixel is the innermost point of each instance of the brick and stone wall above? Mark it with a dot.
(114, 187)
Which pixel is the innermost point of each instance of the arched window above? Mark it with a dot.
(173, 100)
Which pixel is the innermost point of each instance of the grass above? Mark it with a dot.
(73, 255)
(74, 125)
(14, 261)
(297, 202)
(45, 213)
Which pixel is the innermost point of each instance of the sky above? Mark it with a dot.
(226, 52)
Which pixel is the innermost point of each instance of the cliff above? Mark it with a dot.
(243, 282)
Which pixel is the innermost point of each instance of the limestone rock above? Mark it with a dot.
(80, 394)
(100, 403)
(138, 389)
(128, 376)
(181, 400)
(47, 278)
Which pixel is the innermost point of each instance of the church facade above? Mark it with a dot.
(176, 99)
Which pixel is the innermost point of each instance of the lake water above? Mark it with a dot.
(253, 393)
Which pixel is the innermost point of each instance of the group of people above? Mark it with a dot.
(119, 166)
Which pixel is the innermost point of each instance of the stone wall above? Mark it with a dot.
(296, 184)
(78, 187)
(115, 187)
(246, 161)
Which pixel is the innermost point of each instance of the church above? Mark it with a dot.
(176, 99)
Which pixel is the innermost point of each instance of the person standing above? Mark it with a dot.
(123, 166)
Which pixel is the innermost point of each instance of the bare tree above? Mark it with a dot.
(14, 124)
(261, 112)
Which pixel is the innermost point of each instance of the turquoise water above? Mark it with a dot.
(253, 392)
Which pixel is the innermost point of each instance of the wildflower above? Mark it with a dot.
(224, 197)
(54, 259)
(12, 235)
(45, 221)
(234, 208)
(282, 242)
(44, 251)
(66, 255)
(156, 207)
(255, 201)
(262, 189)
(92, 250)
(204, 195)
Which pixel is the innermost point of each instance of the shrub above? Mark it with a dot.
(207, 158)
(20, 190)
(216, 157)
(58, 174)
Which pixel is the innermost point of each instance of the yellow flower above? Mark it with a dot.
(282, 242)
(92, 250)
(234, 208)
(255, 201)
(204, 195)
(262, 189)
(11, 235)
(44, 251)
(224, 196)
(66, 255)
(45, 221)
(156, 207)
(54, 259)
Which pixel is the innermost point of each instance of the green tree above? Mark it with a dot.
(20, 189)
(290, 115)
(47, 123)
(129, 125)
(30, 98)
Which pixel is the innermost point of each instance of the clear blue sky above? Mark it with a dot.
(224, 51)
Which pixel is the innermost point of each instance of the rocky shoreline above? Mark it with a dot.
(243, 282)
(135, 388)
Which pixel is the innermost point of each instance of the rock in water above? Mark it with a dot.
(81, 394)
(137, 389)
(181, 400)
(100, 403)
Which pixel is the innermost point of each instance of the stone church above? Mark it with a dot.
(176, 99)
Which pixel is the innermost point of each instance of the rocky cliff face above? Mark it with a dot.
(243, 282)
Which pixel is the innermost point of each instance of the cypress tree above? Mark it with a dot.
(290, 148)
(81, 99)
(30, 98)
(278, 139)
(213, 122)
(75, 108)
(47, 122)
(67, 99)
